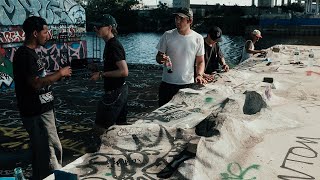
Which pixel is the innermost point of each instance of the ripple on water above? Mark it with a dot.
(141, 47)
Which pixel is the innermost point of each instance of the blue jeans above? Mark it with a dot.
(45, 144)
(112, 108)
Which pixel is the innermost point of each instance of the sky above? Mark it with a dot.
(226, 2)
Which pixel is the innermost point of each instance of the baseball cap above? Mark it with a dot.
(215, 34)
(105, 20)
(184, 12)
(256, 33)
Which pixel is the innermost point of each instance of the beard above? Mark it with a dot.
(41, 43)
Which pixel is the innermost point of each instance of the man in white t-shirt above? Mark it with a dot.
(248, 49)
(183, 47)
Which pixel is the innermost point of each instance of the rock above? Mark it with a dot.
(253, 103)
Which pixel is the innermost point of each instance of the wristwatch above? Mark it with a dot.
(100, 74)
(199, 75)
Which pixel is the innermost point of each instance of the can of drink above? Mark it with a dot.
(169, 65)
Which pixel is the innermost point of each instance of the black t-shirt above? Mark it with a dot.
(215, 58)
(28, 65)
(113, 52)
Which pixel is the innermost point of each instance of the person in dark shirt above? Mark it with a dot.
(35, 98)
(213, 56)
(112, 108)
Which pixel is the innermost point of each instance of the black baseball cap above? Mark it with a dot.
(184, 12)
(105, 20)
(215, 34)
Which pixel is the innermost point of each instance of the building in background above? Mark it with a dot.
(311, 7)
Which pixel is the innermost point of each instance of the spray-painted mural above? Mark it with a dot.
(56, 32)
(6, 75)
(13, 12)
(66, 21)
(52, 55)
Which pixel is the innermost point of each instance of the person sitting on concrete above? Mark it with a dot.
(248, 49)
(214, 57)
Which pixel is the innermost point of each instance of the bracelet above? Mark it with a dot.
(100, 74)
(199, 75)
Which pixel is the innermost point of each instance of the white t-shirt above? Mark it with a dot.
(246, 55)
(182, 51)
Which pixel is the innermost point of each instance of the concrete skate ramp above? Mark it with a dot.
(278, 141)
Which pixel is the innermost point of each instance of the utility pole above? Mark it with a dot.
(317, 7)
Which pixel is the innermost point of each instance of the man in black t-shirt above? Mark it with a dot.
(35, 98)
(213, 55)
(112, 109)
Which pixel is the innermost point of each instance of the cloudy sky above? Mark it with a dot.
(226, 2)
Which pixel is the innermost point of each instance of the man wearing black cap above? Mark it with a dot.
(112, 109)
(213, 55)
(183, 47)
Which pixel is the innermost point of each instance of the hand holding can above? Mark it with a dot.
(169, 65)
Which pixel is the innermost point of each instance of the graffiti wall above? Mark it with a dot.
(60, 32)
(14, 12)
(53, 55)
(6, 74)
(66, 21)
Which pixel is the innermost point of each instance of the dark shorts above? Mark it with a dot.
(112, 108)
(167, 91)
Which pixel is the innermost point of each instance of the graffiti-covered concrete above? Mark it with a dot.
(75, 106)
(14, 12)
(278, 140)
(64, 17)
(52, 56)
(6, 72)
(67, 25)
(58, 32)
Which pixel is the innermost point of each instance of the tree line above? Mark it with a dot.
(161, 18)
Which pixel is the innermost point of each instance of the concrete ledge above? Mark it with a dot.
(280, 140)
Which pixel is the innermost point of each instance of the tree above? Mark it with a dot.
(295, 7)
(96, 7)
(234, 11)
(162, 6)
(118, 8)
